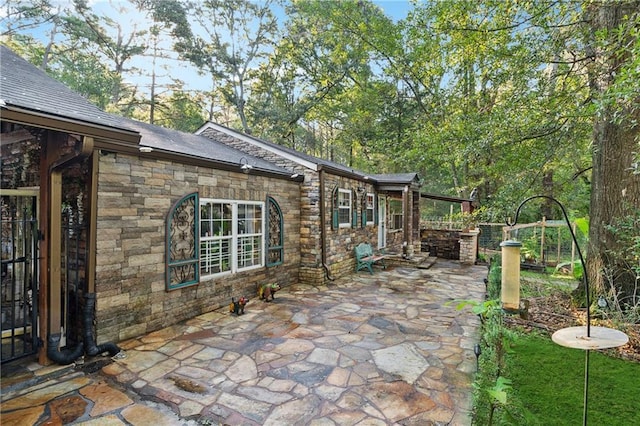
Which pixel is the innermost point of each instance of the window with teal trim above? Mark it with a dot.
(181, 248)
(345, 208)
(275, 234)
(370, 208)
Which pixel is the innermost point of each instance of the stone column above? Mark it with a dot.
(469, 246)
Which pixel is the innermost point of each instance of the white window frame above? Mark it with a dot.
(236, 239)
(344, 205)
(370, 204)
(395, 215)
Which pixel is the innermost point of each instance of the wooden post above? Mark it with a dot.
(43, 279)
(559, 236)
(544, 221)
(55, 255)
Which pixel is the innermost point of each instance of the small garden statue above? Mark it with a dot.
(237, 307)
(266, 290)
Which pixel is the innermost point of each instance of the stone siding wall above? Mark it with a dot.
(340, 242)
(134, 197)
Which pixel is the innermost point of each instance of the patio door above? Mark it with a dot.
(19, 273)
(382, 221)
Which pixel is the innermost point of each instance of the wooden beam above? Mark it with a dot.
(43, 279)
(90, 272)
(69, 125)
(55, 248)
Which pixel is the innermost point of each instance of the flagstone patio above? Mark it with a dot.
(368, 349)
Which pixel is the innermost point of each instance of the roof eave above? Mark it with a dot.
(68, 125)
(216, 164)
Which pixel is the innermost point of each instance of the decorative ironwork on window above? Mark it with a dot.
(182, 250)
(275, 233)
(354, 208)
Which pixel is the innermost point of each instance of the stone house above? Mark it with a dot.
(113, 228)
(340, 207)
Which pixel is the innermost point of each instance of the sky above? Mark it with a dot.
(127, 17)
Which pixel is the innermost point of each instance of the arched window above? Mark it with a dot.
(275, 233)
(181, 248)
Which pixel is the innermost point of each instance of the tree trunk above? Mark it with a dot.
(615, 192)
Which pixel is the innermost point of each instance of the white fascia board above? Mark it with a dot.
(253, 141)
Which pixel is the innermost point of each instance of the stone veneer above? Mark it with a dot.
(451, 244)
(340, 242)
(469, 246)
(134, 198)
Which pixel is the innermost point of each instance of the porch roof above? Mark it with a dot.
(28, 96)
(397, 181)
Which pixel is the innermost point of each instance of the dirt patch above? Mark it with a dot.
(551, 313)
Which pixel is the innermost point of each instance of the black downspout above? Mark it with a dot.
(89, 339)
(323, 230)
(64, 357)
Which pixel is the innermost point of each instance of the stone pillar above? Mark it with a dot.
(469, 246)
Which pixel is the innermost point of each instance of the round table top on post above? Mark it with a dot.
(601, 338)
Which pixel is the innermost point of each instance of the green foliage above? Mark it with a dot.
(468, 94)
(228, 40)
(624, 301)
(494, 281)
(526, 379)
(499, 390)
(492, 389)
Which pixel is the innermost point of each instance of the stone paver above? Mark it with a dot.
(380, 349)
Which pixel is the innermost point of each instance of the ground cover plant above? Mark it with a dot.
(525, 379)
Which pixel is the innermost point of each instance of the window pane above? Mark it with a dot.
(215, 255)
(223, 251)
(249, 251)
(344, 206)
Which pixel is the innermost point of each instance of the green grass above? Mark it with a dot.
(548, 380)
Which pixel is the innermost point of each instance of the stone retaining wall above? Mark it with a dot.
(451, 244)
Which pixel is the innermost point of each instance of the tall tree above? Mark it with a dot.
(317, 79)
(228, 40)
(615, 191)
(109, 38)
(19, 16)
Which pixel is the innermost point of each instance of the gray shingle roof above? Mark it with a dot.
(291, 152)
(397, 178)
(202, 147)
(388, 179)
(26, 86)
